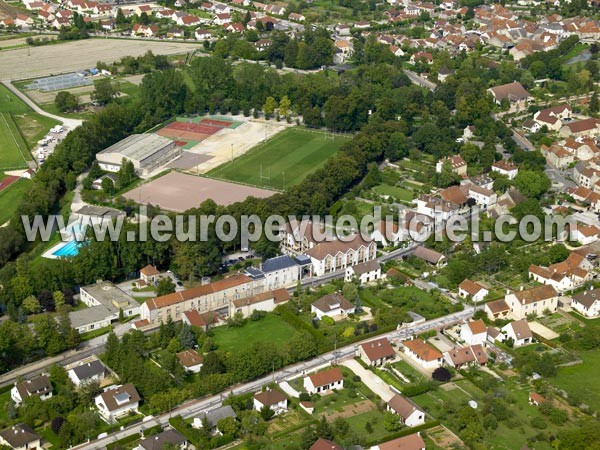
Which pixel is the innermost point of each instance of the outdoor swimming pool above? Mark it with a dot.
(68, 250)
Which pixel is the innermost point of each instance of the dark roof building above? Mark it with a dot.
(159, 441)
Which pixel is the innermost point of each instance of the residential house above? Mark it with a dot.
(281, 271)
(410, 442)
(514, 93)
(456, 164)
(409, 413)
(234, 27)
(536, 399)
(222, 19)
(263, 44)
(506, 168)
(88, 372)
(553, 117)
(203, 35)
(23, 21)
(473, 332)
(364, 272)
(169, 438)
(377, 352)
(519, 332)
(147, 31)
(39, 386)
(534, 301)
(475, 291)
(188, 21)
(444, 73)
(498, 309)
(423, 353)
(296, 17)
(325, 444)
(565, 275)
(273, 399)
(150, 274)
(20, 437)
(321, 382)
(585, 234)
(580, 128)
(190, 360)
(466, 356)
(332, 305)
(201, 320)
(265, 301)
(424, 57)
(587, 303)
(299, 236)
(482, 196)
(211, 418)
(117, 402)
(430, 256)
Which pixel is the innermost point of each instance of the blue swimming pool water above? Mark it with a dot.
(70, 249)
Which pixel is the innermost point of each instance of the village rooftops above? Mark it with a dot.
(320, 251)
(189, 358)
(19, 436)
(511, 91)
(466, 355)
(324, 444)
(470, 287)
(587, 298)
(521, 329)
(498, 306)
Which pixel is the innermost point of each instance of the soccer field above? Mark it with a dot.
(13, 150)
(283, 161)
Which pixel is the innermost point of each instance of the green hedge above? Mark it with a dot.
(126, 440)
(404, 432)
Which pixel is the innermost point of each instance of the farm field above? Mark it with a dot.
(269, 329)
(286, 159)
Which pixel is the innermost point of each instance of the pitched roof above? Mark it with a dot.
(159, 441)
(537, 398)
(36, 386)
(331, 302)
(428, 255)
(149, 271)
(587, 298)
(378, 349)
(497, 306)
(521, 329)
(455, 194)
(213, 416)
(470, 287)
(270, 397)
(535, 294)
(324, 444)
(326, 377)
(582, 125)
(120, 397)
(403, 406)
(320, 251)
(366, 267)
(465, 355)
(477, 326)
(505, 165)
(200, 320)
(89, 369)
(278, 263)
(422, 349)
(19, 435)
(511, 91)
(189, 358)
(410, 442)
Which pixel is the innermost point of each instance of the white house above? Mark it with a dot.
(332, 305)
(506, 168)
(377, 352)
(39, 386)
(409, 413)
(424, 354)
(535, 301)
(212, 417)
(587, 303)
(473, 332)
(327, 380)
(281, 271)
(150, 274)
(20, 437)
(117, 401)
(364, 272)
(519, 332)
(586, 234)
(465, 356)
(265, 301)
(88, 372)
(482, 196)
(468, 288)
(272, 399)
(457, 165)
(203, 35)
(330, 256)
(190, 360)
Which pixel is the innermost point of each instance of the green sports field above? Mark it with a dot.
(13, 150)
(286, 159)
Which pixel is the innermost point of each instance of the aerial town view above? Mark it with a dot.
(300, 224)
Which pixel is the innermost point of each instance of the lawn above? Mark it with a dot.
(270, 328)
(393, 191)
(286, 159)
(10, 198)
(13, 150)
(576, 380)
(376, 431)
(33, 127)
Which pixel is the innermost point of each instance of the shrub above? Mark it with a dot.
(441, 374)
(538, 423)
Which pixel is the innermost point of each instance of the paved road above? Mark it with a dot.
(194, 407)
(373, 382)
(70, 124)
(523, 142)
(420, 81)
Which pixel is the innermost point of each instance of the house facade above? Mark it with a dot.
(535, 301)
(324, 381)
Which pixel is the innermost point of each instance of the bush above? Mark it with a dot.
(304, 397)
(441, 374)
(539, 423)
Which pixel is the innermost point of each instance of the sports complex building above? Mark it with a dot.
(147, 152)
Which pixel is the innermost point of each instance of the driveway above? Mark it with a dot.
(373, 382)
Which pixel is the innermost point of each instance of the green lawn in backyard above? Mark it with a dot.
(287, 158)
(270, 328)
(358, 423)
(393, 191)
(576, 380)
(11, 197)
